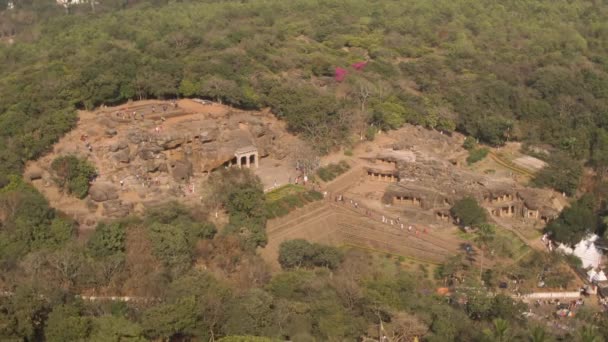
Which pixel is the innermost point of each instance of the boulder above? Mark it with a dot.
(101, 192)
(170, 142)
(155, 166)
(120, 145)
(122, 156)
(110, 132)
(148, 152)
(116, 208)
(34, 173)
(137, 136)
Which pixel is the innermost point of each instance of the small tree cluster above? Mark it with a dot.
(73, 174)
(468, 211)
(574, 222)
(301, 253)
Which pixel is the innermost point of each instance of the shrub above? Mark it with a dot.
(301, 253)
(469, 143)
(370, 133)
(469, 212)
(476, 155)
(331, 171)
(73, 174)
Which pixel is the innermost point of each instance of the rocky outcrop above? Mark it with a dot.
(110, 132)
(34, 173)
(122, 156)
(117, 208)
(120, 145)
(170, 142)
(147, 152)
(101, 192)
(209, 135)
(181, 170)
(137, 136)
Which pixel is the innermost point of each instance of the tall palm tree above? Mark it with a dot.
(538, 335)
(501, 328)
(485, 234)
(588, 334)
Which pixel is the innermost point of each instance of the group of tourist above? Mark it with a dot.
(134, 115)
(384, 219)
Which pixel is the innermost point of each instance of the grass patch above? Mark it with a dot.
(283, 200)
(476, 155)
(331, 171)
(505, 243)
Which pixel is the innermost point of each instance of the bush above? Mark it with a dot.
(468, 211)
(469, 143)
(370, 133)
(281, 206)
(107, 239)
(73, 174)
(332, 171)
(476, 155)
(301, 253)
(562, 174)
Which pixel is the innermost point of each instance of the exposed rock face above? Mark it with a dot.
(148, 152)
(122, 156)
(137, 136)
(209, 135)
(101, 192)
(170, 142)
(120, 145)
(181, 170)
(110, 132)
(34, 173)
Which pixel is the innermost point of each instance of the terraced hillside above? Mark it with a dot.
(338, 224)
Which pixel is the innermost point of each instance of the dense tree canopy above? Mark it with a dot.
(533, 71)
(574, 222)
(444, 65)
(469, 212)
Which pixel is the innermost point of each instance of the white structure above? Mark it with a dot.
(247, 156)
(586, 250)
(68, 3)
(595, 276)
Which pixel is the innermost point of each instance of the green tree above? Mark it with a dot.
(562, 174)
(115, 329)
(66, 323)
(73, 174)
(301, 253)
(107, 239)
(22, 315)
(599, 152)
(574, 222)
(588, 334)
(500, 330)
(483, 236)
(469, 212)
(168, 320)
(538, 334)
(170, 244)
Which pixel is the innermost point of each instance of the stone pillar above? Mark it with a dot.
(257, 160)
(248, 158)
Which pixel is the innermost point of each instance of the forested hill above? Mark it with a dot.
(536, 71)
